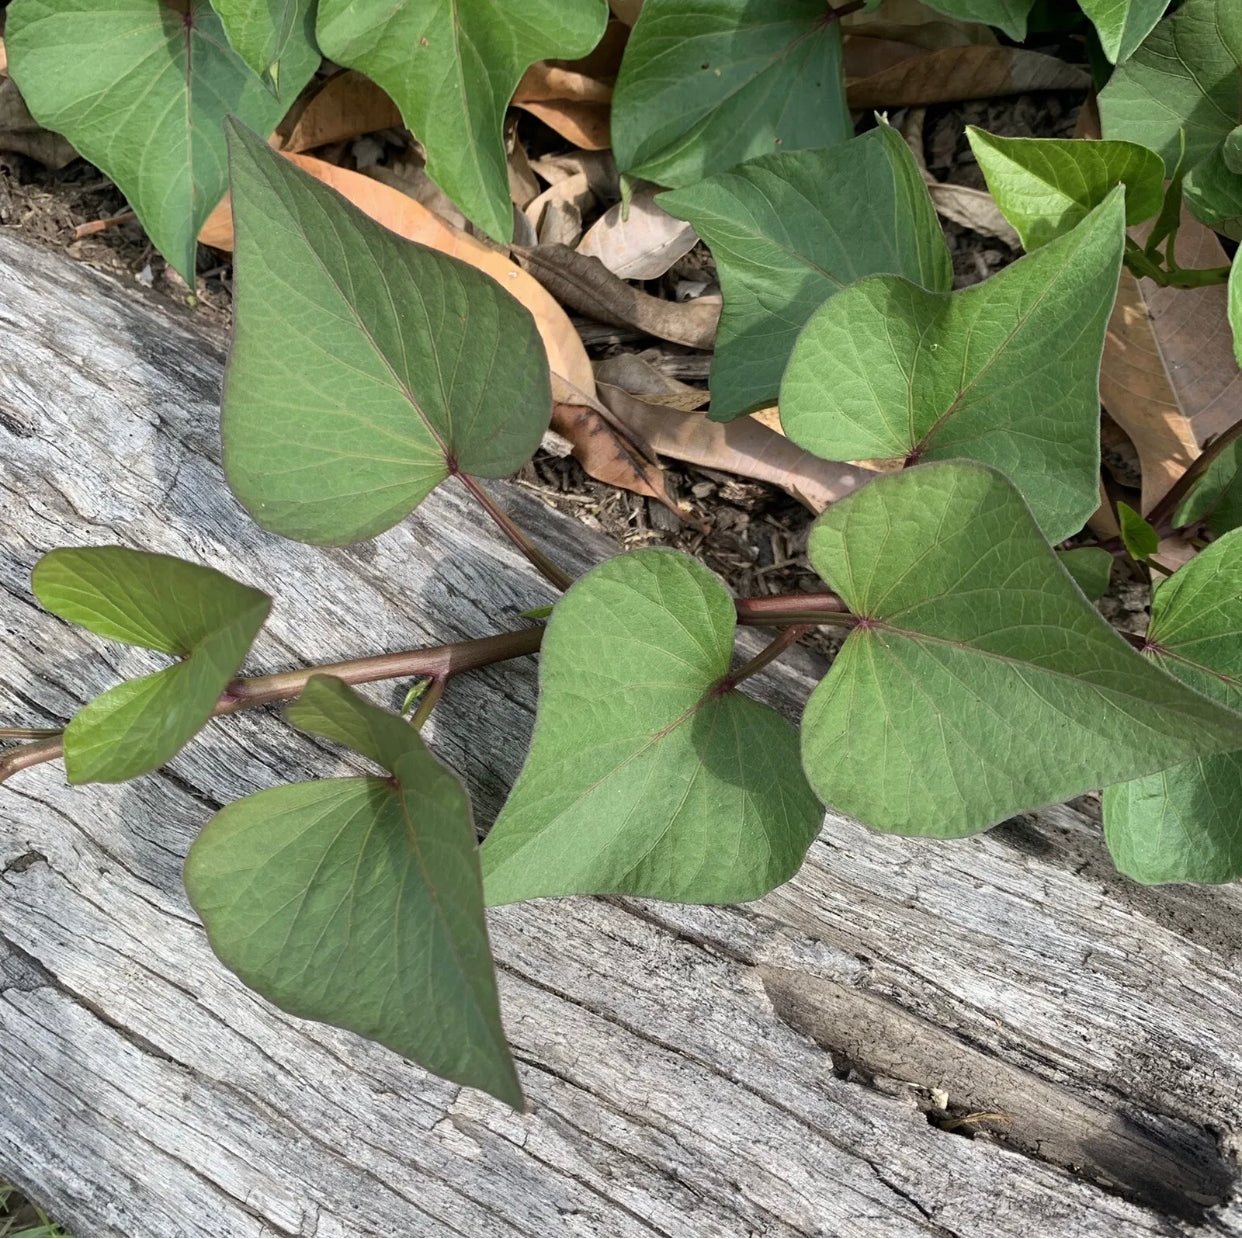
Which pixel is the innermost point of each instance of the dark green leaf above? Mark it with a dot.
(645, 775)
(1140, 539)
(789, 231)
(1217, 497)
(1006, 372)
(365, 368)
(707, 86)
(981, 682)
(1214, 194)
(198, 615)
(1232, 150)
(1091, 567)
(358, 901)
(1185, 76)
(452, 66)
(1009, 15)
(141, 88)
(1046, 186)
(266, 32)
(1123, 24)
(1185, 823)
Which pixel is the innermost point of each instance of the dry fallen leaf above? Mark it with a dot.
(642, 244)
(586, 125)
(409, 175)
(626, 10)
(632, 372)
(573, 378)
(586, 285)
(609, 453)
(556, 214)
(346, 106)
(20, 132)
(549, 79)
(949, 74)
(743, 446)
(1169, 377)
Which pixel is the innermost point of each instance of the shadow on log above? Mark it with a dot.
(998, 1036)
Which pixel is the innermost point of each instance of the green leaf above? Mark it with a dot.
(140, 88)
(1091, 567)
(1138, 537)
(980, 682)
(196, 614)
(1046, 186)
(1217, 497)
(1231, 149)
(647, 775)
(358, 901)
(1185, 76)
(452, 66)
(789, 231)
(365, 369)
(1123, 24)
(1009, 15)
(1214, 194)
(266, 32)
(1185, 823)
(703, 87)
(1006, 372)
(1235, 306)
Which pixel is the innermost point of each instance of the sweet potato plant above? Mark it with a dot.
(976, 679)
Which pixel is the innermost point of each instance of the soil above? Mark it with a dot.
(751, 533)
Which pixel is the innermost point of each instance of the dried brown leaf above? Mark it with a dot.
(949, 74)
(641, 244)
(608, 452)
(346, 106)
(586, 285)
(20, 132)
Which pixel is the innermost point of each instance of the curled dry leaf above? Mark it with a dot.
(556, 214)
(586, 285)
(572, 378)
(609, 452)
(346, 106)
(632, 372)
(586, 125)
(642, 244)
(950, 74)
(1169, 377)
(20, 132)
(743, 446)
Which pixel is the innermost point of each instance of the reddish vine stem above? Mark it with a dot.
(554, 575)
(772, 651)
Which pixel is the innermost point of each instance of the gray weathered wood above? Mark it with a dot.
(763, 1069)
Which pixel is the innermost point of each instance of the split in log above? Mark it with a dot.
(809, 1064)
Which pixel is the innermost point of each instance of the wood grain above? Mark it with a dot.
(767, 1069)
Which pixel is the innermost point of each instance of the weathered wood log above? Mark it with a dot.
(768, 1069)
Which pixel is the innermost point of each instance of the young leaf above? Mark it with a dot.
(980, 683)
(452, 66)
(1046, 186)
(358, 902)
(1140, 539)
(1123, 24)
(365, 369)
(1009, 15)
(1185, 823)
(1213, 192)
(1185, 77)
(707, 86)
(1005, 372)
(196, 614)
(141, 88)
(1091, 567)
(791, 230)
(647, 775)
(266, 32)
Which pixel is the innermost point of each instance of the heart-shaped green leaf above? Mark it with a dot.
(452, 66)
(358, 901)
(265, 33)
(1046, 186)
(789, 231)
(1185, 823)
(979, 682)
(141, 88)
(1123, 24)
(1187, 76)
(1213, 193)
(1009, 15)
(198, 615)
(365, 369)
(703, 87)
(648, 775)
(1137, 534)
(1091, 567)
(1006, 372)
